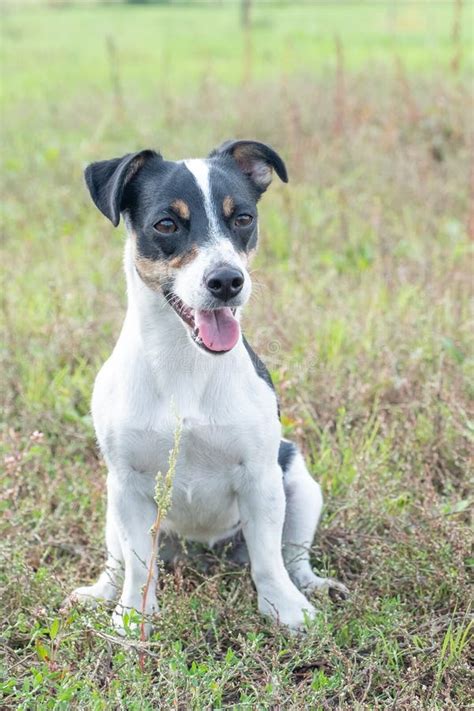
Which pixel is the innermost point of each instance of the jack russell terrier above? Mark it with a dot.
(192, 228)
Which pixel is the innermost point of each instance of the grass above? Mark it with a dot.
(362, 310)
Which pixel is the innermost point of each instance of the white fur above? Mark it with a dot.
(189, 284)
(227, 473)
(200, 170)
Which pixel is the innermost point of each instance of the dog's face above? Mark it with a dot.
(194, 225)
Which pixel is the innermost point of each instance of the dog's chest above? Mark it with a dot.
(228, 420)
(204, 501)
(212, 453)
(220, 427)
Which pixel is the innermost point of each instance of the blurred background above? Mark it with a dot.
(362, 309)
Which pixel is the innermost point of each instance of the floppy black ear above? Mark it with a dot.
(107, 180)
(256, 160)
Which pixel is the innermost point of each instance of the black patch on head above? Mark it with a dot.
(146, 189)
(261, 370)
(286, 454)
(143, 186)
(152, 197)
(227, 181)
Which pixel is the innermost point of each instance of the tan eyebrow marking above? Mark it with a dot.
(228, 206)
(181, 208)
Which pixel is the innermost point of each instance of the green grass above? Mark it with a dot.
(361, 309)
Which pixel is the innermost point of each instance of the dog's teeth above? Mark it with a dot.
(183, 310)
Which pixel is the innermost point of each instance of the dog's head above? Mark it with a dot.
(194, 225)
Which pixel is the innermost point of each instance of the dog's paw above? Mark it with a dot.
(336, 590)
(292, 611)
(309, 583)
(88, 596)
(129, 622)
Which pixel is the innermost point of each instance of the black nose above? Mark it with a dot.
(225, 283)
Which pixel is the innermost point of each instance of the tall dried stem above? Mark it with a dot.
(163, 494)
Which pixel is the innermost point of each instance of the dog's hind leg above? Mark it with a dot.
(109, 583)
(304, 502)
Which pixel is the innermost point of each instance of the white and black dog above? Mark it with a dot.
(192, 227)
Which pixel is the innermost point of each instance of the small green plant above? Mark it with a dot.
(452, 648)
(163, 495)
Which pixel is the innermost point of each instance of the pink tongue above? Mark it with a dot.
(218, 329)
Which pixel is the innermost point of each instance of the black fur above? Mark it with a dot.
(286, 454)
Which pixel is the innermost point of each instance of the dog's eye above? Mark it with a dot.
(243, 220)
(166, 226)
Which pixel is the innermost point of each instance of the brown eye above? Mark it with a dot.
(166, 226)
(243, 220)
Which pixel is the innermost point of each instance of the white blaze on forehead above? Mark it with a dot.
(189, 282)
(200, 171)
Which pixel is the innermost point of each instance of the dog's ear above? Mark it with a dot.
(107, 180)
(256, 160)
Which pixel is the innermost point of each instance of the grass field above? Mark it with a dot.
(362, 310)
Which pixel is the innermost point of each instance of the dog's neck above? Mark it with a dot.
(161, 336)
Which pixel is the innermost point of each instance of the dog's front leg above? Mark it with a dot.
(134, 512)
(262, 511)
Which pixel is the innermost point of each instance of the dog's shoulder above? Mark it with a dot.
(260, 369)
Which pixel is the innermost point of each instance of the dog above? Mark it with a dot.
(192, 229)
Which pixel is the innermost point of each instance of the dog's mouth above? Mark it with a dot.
(215, 331)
